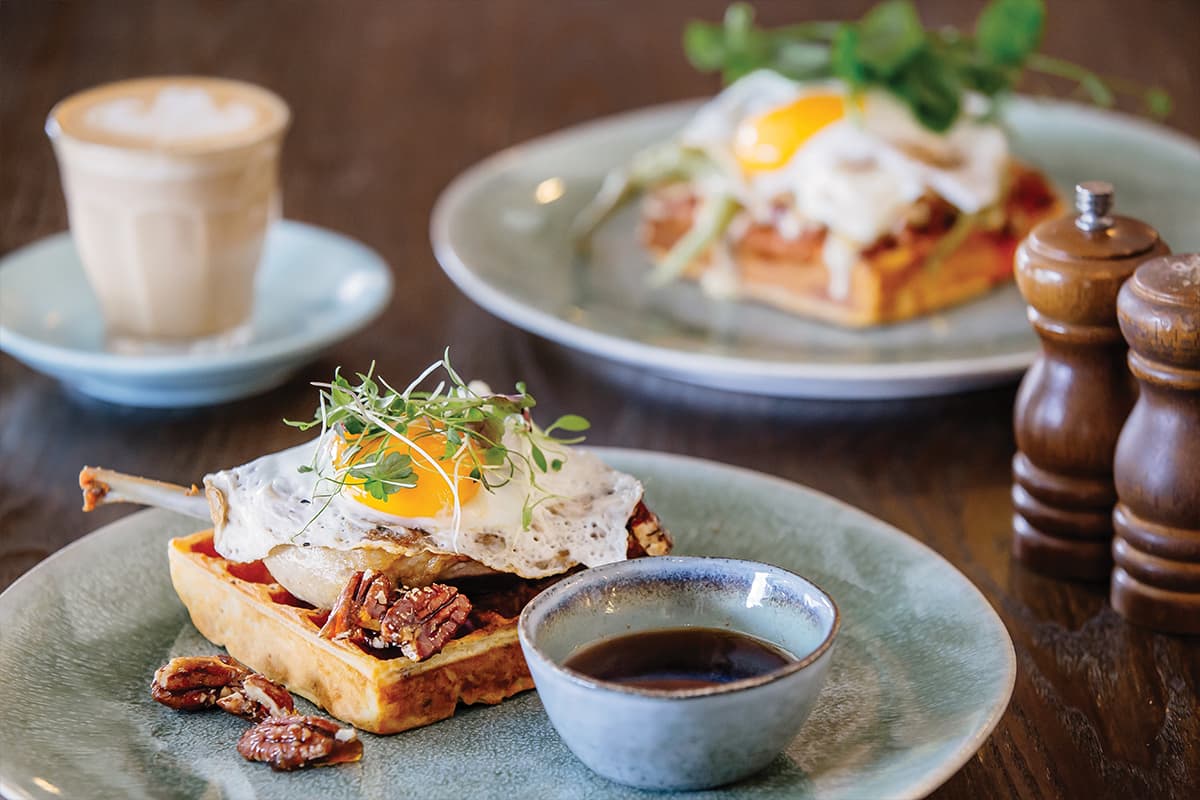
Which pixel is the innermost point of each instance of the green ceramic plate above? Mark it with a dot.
(922, 671)
(500, 231)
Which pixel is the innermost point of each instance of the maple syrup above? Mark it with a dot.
(678, 658)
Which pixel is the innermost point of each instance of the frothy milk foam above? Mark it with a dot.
(171, 184)
(176, 113)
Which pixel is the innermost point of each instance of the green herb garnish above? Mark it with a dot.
(493, 434)
(890, 49)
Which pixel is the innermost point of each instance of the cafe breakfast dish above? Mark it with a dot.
(379, 570)
(868, 182)
(837, 207)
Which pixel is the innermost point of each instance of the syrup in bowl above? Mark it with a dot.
(678, 658)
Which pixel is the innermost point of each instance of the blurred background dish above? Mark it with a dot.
(501, 231)
(314, 288)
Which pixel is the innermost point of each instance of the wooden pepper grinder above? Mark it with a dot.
(1075, 397)
(1157, 470)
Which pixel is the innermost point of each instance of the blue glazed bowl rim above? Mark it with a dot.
(600, 573)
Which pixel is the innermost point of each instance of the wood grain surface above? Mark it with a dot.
(391, 100)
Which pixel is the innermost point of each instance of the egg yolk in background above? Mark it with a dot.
(768, 140)
(432, 494)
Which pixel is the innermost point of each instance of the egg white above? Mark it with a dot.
(313, 537)
(857, 176)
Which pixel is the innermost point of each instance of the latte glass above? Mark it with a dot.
(171, 184)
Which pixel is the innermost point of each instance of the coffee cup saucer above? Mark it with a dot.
(314, 288)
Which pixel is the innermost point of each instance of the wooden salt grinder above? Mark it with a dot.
(1156, 582)
(1075, 397)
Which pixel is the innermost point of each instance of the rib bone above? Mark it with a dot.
(103, 486)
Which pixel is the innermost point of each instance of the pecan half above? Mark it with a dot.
(421, 621)
(258, 698)
(360, 608)
(196, 682)
(294, 742)
(646, 534)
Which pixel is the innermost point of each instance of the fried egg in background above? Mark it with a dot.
(312, 535)
(853, 165)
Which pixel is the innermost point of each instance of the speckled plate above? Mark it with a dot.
(500, 231)
(922, 672)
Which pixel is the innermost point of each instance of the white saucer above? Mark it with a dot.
(315, 287)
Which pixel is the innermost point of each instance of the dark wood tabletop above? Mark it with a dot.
(390, 101)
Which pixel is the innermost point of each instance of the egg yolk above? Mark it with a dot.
(769, 140)
(432, 494)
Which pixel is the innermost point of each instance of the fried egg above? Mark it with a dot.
(313, 533)
(854, 165)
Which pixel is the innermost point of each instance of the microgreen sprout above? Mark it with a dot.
(890, 49)
(493, 436)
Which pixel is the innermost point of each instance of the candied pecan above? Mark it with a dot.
(360, 608)
(196, 682)
(294, 742)
(646, 534)
(421, 621)
(258, 698)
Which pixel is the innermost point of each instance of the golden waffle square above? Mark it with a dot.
(240, 607)
(920, 272)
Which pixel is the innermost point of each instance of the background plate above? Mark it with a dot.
(922, 669)
(510, 252)
(314, 287)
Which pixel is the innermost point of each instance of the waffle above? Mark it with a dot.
(241, 607)
(926, 272)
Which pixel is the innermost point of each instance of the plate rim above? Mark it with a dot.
(290, 347)
(950, 764)
(824, 379)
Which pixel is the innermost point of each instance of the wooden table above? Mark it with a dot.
(391, 100)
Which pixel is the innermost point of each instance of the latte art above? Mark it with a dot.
(176, 112)
(182, 114)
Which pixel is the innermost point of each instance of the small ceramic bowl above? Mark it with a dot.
(680, 738)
